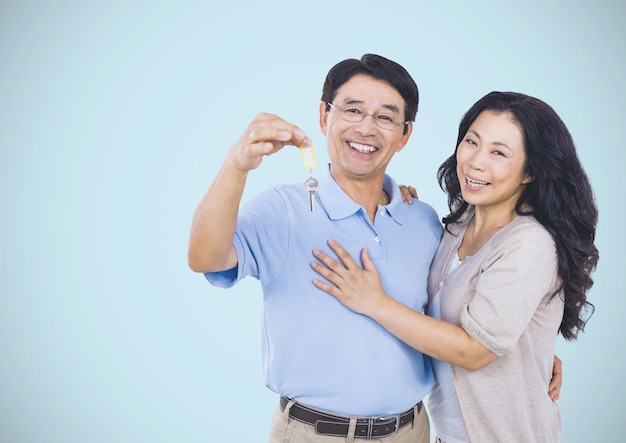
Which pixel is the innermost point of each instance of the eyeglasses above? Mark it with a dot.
(356, 115)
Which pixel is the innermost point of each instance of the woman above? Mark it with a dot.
(512, 271)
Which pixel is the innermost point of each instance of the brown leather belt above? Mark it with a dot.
(367, 428)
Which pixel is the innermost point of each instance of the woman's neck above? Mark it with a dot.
(482, 227)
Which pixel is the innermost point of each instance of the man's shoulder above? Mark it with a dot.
(419, 210)
(420, 217)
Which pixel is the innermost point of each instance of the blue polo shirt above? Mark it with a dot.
(315, 350)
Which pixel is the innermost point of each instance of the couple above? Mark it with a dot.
(509, 270)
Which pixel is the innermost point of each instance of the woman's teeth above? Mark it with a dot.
(476, 183)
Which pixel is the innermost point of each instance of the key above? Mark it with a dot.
(311, 186)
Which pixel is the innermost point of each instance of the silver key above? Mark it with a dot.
(311, 186)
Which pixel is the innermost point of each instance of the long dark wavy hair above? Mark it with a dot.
(559, 196)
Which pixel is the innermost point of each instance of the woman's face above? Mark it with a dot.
(490, 162)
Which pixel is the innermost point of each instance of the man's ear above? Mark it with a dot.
(323, 118)
(405, 137)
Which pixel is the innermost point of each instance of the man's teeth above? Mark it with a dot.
(476, 183)
(362, 148)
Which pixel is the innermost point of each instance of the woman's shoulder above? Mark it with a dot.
(525, 231)
(528, 225)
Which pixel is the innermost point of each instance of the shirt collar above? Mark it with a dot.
(339, 205)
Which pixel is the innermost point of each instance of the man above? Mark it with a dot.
(338, 373)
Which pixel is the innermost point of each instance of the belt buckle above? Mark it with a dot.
(396, 426)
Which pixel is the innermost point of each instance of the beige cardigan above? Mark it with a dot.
(501, 297)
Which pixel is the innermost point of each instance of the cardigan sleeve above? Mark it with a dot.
(519, 274)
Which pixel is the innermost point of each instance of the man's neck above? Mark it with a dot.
(367, 193)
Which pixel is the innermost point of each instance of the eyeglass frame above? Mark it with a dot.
(365, 114)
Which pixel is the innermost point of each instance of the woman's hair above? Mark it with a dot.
(379, 68)
(559, 196)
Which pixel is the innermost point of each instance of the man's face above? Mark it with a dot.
(362, 150)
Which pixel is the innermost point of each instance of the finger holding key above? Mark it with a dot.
(265, 135)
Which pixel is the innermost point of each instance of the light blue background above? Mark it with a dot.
(114, 118)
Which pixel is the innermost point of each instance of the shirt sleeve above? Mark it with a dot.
(520, 274)
(261, 240)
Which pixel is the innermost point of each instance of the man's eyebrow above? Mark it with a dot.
(354, 101)
(392, 108)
